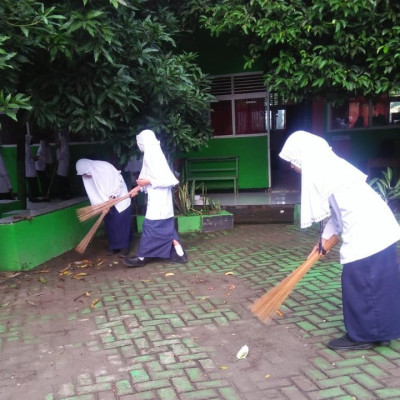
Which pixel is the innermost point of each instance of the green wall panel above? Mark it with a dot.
(24, 244)
(253, 152)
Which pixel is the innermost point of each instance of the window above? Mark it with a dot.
(362, 113)
(241, 106)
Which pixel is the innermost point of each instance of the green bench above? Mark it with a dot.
(218, 172)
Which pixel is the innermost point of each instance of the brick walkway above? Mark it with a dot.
(93, 329)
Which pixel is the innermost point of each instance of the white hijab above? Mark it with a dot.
(104, 181)
(155, 166)
(322, 173)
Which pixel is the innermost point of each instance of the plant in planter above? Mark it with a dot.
(387, 186)
(189, 218)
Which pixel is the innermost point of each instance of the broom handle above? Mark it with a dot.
(258, 305)
(81, 247)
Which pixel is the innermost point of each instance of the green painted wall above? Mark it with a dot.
(254, 165)
(24, 244)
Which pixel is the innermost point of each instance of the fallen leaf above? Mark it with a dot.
(83, 266)
(5, 304)
(80, 275)
(87, 294)
(229, 273)
(223, 367)
(42, 279)
(31, 303)
(233, 287)
(65, 269)
(279, 313)
(169, 274)
(42, 271)
(267, 376)
(94, 302)
(81, 262)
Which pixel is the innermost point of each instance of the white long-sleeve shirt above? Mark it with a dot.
(365, 222)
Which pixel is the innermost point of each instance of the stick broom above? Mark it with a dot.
(270, 302)
(81, 247)
(85, 213)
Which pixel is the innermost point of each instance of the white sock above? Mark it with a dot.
(179, 250)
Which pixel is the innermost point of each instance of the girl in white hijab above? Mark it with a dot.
(333, 189)
(103, 181)
(159, 237)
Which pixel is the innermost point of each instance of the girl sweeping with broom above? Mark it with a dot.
(102, 182)
(159, 238)
(332, 188)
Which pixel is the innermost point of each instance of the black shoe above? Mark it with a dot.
(134, 262)
(383, 343)
(124, 253)
(179, 259)
(345, 343)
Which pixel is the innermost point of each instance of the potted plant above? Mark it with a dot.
(387, 187)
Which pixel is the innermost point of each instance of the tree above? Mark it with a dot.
(333, 48)
(104, 69)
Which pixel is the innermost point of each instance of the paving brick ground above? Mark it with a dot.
(92, 329)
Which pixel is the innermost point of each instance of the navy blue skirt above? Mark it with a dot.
(118, 228)
(371, 297)
(157, 237)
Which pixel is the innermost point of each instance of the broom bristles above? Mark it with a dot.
(270, 302)
(81, 247)
(85, 213)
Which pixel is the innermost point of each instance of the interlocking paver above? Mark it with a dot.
(175, 337)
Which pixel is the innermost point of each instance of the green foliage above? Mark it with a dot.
(387, 186)
(332, 48)
(105, 69)
(184, 199)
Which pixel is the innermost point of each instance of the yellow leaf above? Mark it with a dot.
(223, 367)
(169, 274)
(80, 275)
(42, 279)
(5, 304)
(94, 302)
(267, 376)
(87, 294)
(229, 273)
(65, 269)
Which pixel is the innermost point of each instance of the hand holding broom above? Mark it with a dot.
(88, 212)
(270, 302)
